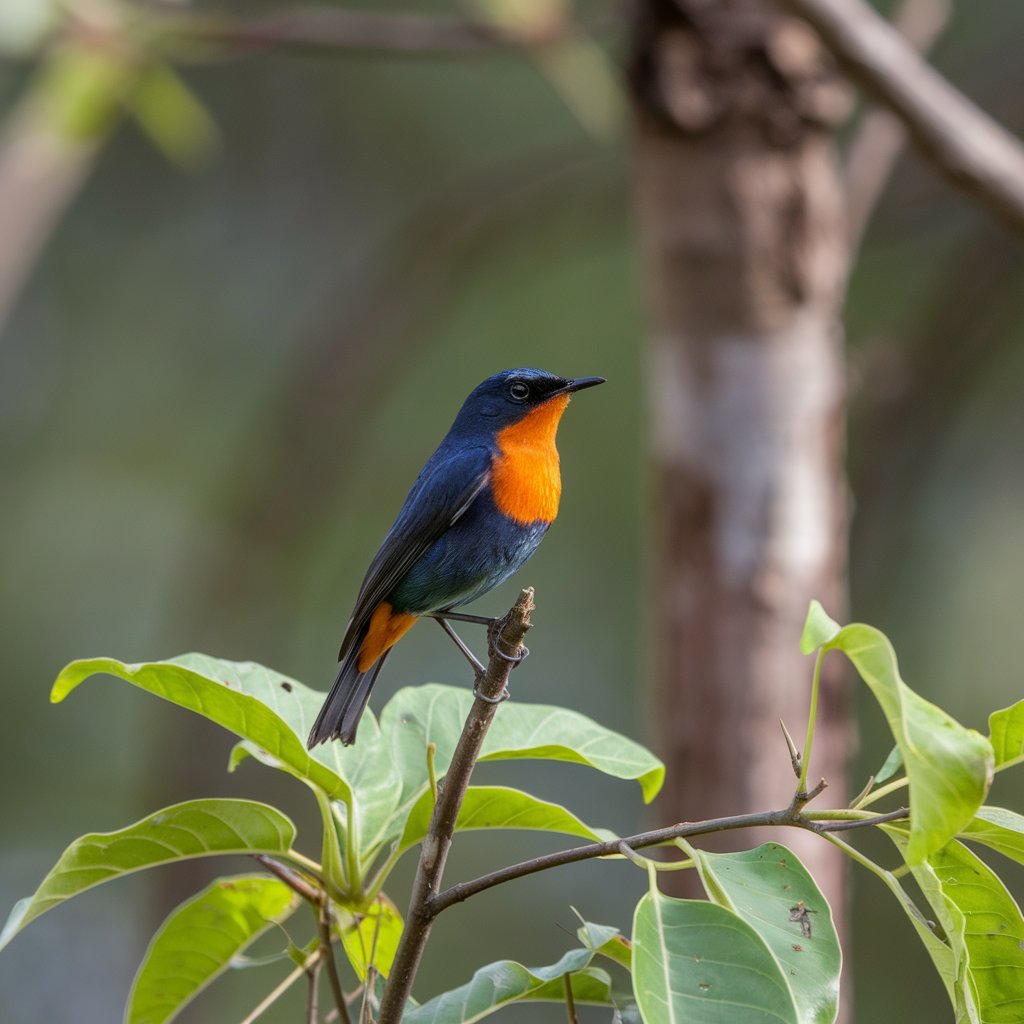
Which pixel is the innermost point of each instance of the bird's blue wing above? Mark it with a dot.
(447, 486)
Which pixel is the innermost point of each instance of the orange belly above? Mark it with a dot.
(525, 478)
(386, 628)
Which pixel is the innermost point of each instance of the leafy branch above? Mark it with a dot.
(407, 784)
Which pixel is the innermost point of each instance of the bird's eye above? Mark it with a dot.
(519, 391)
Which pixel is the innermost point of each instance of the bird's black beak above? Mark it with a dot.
(577, 384)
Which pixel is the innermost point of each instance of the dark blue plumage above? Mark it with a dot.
(475, 514)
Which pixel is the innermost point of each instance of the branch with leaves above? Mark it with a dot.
(407, 783)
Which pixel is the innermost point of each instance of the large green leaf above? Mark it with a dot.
(372, 937)
(500, 807)
(1006, 728)
(984, 926)
(506, 981)
(418, 716)
(999, 829)
(260, 705)
(198, 941)
(197, 828)
(695, 962)
(949, 768)
(771, 890)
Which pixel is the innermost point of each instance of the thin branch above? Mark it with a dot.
(323, 925)
(969, 147)
(789, 817)
(570, 1002)
(312, 1000)
(290, 878)
(334, 29)
(880, 138)
(434, 851)
(272, 997)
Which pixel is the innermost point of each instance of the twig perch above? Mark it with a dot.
(968, 146)
(451, 790)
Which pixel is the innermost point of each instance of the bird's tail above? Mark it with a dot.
(345, 704)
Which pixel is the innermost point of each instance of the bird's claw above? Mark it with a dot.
(500, 699)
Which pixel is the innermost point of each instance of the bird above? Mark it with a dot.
(477, 511)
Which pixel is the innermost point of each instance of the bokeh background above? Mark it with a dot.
(225, 368)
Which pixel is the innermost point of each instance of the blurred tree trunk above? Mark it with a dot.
(742, 226)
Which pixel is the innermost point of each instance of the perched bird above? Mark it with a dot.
(475, 514)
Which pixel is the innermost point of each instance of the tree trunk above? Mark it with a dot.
(742, 225)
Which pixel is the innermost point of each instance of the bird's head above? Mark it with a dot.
(512, 395)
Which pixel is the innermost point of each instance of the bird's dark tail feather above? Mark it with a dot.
(345, 704)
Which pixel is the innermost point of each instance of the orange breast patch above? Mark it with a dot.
(386, 629)
(525, 480)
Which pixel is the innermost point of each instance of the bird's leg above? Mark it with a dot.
(478, 670)
(478, 620)
(493, 625)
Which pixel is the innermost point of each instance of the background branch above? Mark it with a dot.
(881, 137)
(968, 146)
(333, 29)
(434, 851)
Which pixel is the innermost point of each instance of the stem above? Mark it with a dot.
(812, 716)
(290, 878)
(865, 862)
(434, 850)
(323, 924)
(882, 791)
(280, 990)
(432, 768)
(312, 1003)
(306, 863)
(351, 856)
(658, 865)
(570, 1003)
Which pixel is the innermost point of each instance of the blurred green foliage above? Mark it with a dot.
(217, 386)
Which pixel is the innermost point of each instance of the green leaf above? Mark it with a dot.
(1006, 727)
(260, 705)
(500, 807)
(768, 887)
(417, 716)
(698, 963)
(373, 937)
(949, 768)
(506, 981)
(198, 828)
(892, 764)
(819, 629)
(984, 927)
(198, 941)
(606, 941)
(999, 829)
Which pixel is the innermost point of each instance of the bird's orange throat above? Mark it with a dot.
(525, 480)
(386, 628)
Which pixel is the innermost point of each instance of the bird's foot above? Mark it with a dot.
(495, 641)
(501, 698)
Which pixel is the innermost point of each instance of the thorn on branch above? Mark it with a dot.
(794, 754)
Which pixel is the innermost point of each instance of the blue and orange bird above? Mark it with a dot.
(475, 514)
